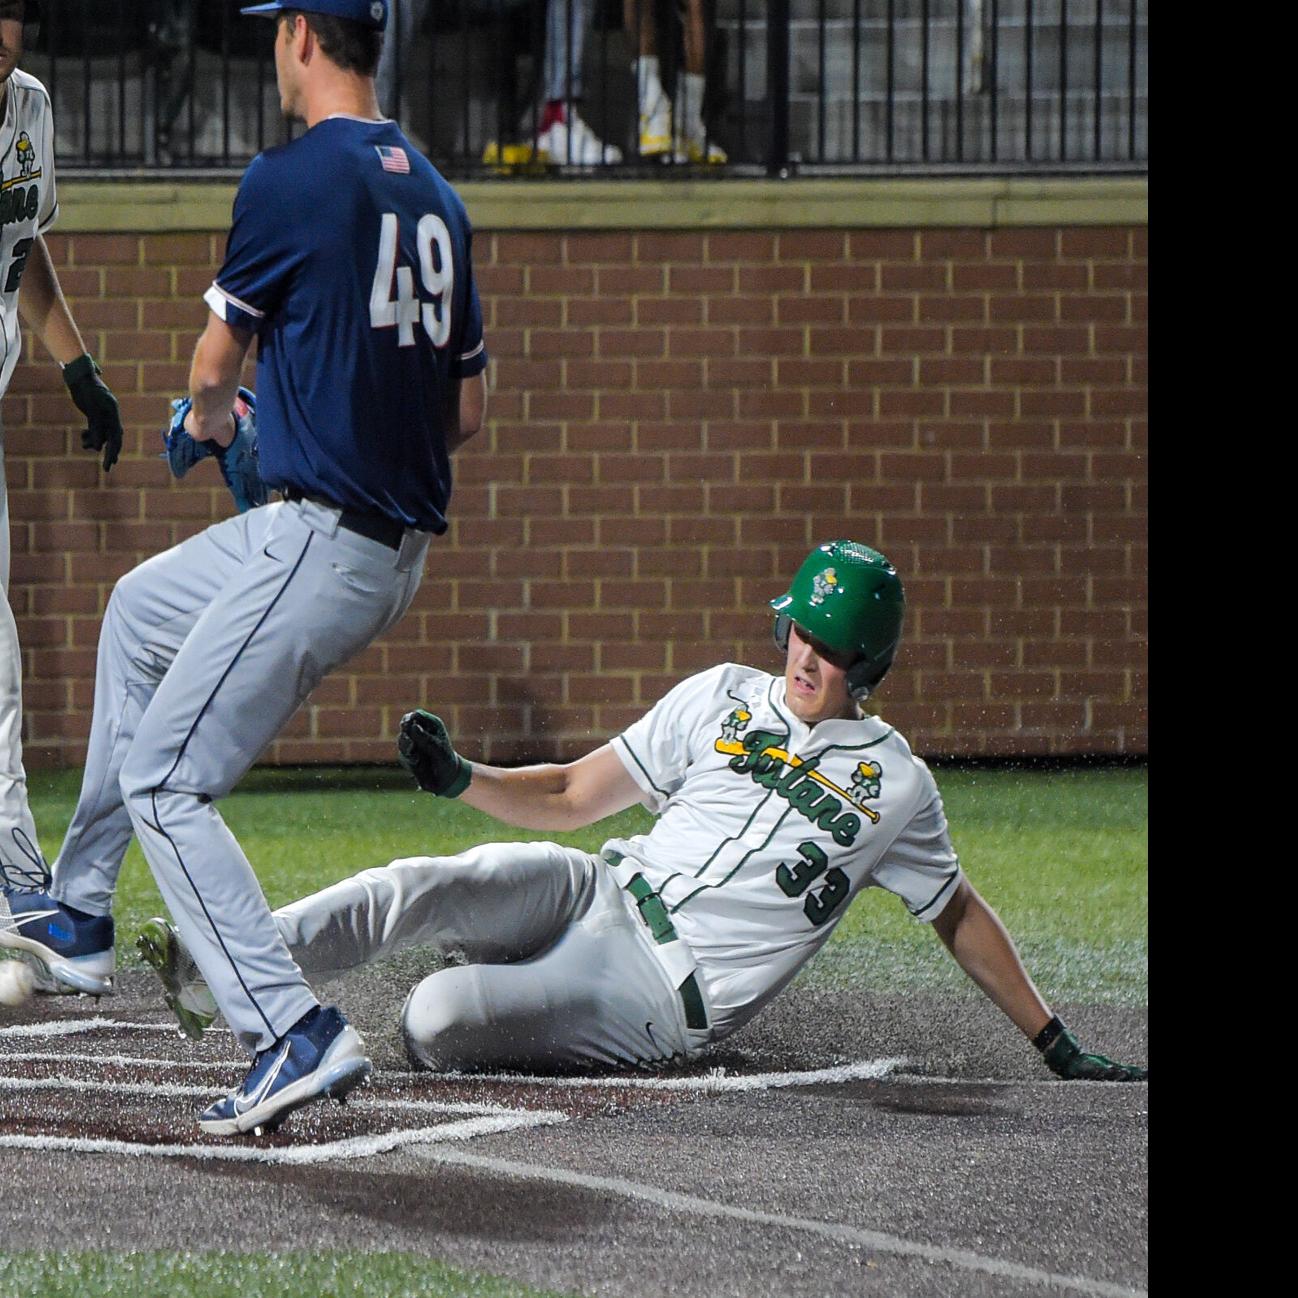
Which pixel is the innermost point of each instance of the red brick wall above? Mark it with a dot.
(676, 419)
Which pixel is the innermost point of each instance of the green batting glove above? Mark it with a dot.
(1066, 1059)
(424, 749)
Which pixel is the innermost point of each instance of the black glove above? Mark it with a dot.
(1066, 1059)
(424, 749)
(103, 431)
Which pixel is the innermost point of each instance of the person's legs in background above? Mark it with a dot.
(665, 129)
(562, 136)
(691, 134)
(655, 109)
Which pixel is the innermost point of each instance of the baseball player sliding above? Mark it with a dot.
(349, 261)
(778, 802)
(29, 288)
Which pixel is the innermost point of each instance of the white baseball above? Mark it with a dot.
(16, 982)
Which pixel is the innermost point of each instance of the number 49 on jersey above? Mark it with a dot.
(436, 271)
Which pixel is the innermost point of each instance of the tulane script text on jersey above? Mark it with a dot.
(19, 203)
(793, 782)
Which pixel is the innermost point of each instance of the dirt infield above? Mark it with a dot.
(912, 1147)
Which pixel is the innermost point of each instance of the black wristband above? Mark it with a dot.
(82, 368)
(1049, 1034)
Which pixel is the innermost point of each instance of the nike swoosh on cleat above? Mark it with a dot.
(242, 1103)
(13, 922)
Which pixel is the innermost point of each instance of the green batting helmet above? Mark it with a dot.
(849, 597)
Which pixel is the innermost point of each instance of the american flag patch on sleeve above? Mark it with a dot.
(393, 158)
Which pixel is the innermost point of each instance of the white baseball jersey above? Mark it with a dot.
(28, 205)
(768, 828)
(28, 198)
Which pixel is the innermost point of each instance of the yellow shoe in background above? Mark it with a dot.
(710, 154)
(656, 129)
(512, 159)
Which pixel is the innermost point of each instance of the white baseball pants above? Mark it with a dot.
(205, 653)
(560, 970)
(18, 845)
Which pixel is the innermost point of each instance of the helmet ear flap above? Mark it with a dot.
(858, 681)
(864, 675)
(780, 631)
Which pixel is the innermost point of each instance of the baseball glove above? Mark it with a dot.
(237, 462)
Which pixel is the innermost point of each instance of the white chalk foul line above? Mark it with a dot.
(70, 1027)
(61, 1028)
(124, 1061)
(174, 1090)
(353, 1147)
(871, 1239)
(715, 1081)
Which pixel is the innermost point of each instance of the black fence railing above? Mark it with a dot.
(631, 87)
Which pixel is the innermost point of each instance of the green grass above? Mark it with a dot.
(226, 1275)
(1060, 855)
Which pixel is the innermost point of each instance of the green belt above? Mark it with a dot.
(654, 913)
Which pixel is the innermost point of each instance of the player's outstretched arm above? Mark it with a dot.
(975, 936)
(45, 311)
(553, 796)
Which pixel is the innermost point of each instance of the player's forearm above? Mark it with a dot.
(43, 308)
(214, 382)
(984, 949)
(530, 797)
(554, 797)
(213, 398)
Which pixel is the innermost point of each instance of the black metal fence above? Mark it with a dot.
(819, 87)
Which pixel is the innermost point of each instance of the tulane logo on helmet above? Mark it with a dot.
(848, 597)
(823, 584)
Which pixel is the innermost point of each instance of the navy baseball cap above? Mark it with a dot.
(370, 13)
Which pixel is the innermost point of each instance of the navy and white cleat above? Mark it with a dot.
(320, 1055)
(183, 988)
(68, 950)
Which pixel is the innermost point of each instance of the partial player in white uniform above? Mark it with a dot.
(29, 288)
(778, 801)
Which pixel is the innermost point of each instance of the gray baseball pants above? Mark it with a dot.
(205, 653)
(560, 970)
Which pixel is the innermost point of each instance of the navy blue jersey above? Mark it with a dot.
(350, 256)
